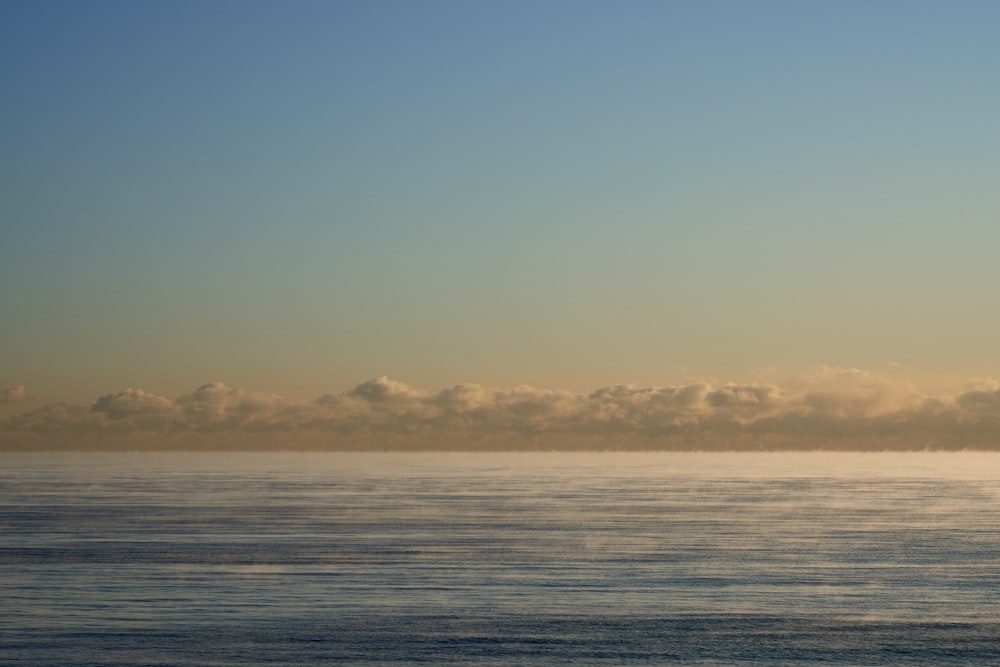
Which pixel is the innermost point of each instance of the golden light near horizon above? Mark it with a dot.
(839, 409)
(579, 199)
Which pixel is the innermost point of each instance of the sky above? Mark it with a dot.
(298, 201)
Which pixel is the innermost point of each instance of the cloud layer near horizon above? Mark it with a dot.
(838, 409)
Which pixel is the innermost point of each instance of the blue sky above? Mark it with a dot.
(296, 197)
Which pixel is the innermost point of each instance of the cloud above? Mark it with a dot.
(383, 390)
(131, 404)
(12, 394)
(836, 408)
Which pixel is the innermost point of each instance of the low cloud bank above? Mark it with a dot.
(838, 409)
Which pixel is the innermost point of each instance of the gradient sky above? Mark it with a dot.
(297, 197)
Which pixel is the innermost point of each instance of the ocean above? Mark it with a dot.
(499, 559)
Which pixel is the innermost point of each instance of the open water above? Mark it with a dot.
(499, 559)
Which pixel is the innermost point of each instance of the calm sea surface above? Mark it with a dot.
(499, 559)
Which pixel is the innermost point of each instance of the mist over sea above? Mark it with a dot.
(499, 559)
